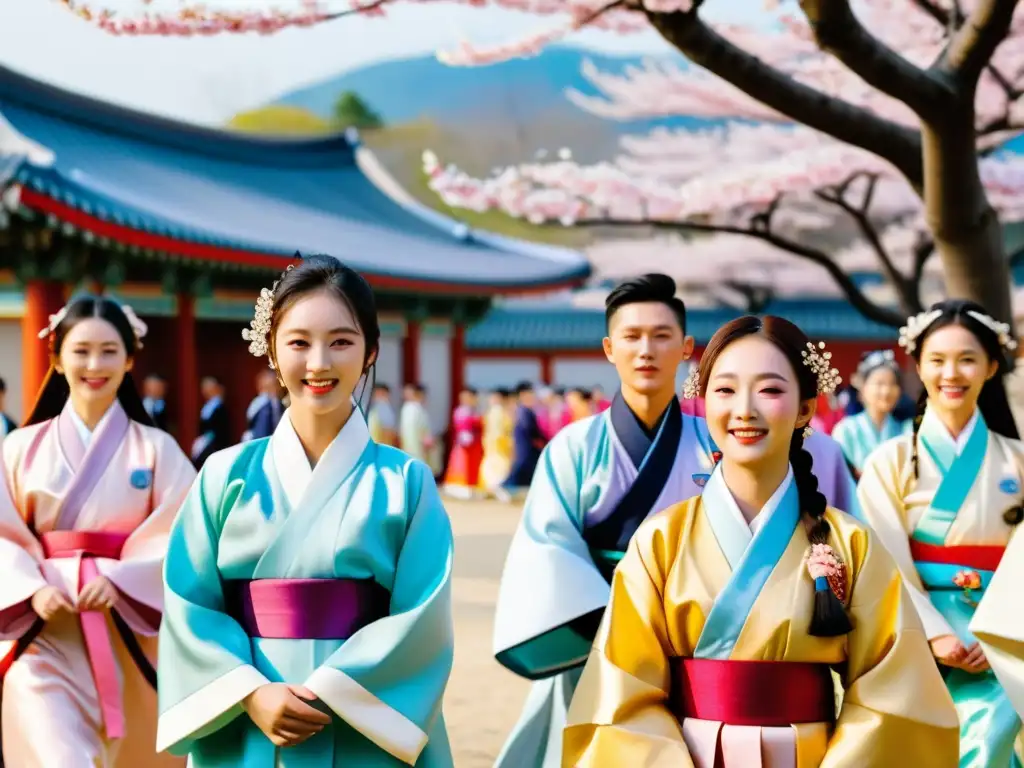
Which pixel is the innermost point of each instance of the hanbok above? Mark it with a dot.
(336, 578)
(941, 528)
(596, 481)
(497, 445)
(85, 505)
(463, 472)
(703, 659)
(858, 437)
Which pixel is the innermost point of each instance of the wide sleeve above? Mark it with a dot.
(619, 715)
(998, 623)
(21, 556)
(880, 494)
(387, 681)
(205, 667)
(551, 595)
(138, 574)
(895, 700)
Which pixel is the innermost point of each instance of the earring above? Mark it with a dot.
(808, 431)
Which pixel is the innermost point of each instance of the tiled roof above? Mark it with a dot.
(253, 195)
(533, 327)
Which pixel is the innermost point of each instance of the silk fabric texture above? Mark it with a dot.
(858, 436)
(51, 710)
(697, 582)
(958, 500)
(259, 511)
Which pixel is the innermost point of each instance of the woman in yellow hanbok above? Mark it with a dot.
(497, 460)
(945, 501)
(730, 610)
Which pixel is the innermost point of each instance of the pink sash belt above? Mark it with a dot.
(764, 693)
(98, 645)
(309, 609)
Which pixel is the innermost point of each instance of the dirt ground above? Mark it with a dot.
(483, 699)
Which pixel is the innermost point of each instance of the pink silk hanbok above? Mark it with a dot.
(77, 505)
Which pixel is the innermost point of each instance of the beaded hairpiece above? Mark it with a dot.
(918, 323)
(259, 327)
(877, 359)
(139, 328)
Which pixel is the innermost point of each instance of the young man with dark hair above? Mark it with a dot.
(595, 482)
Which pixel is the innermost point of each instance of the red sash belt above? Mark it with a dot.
(982, 558)
(306, 609)
(98, 645)
(764, 693)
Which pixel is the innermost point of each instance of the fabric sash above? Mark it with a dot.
(89, 463)
(959, 474)
(754, 693)
(653, 459)
(88, 545)
(306, 609)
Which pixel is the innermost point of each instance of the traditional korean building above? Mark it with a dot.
(187, 224)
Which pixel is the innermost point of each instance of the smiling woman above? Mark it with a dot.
(94, 488)
(729, 610)
(276, 530)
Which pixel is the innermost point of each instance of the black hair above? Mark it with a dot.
(646, 288)
(584, 393)
(381, 387)
(55, 391)
(992, 401)
(154, 377)
(523, 386)
(558, 391)
(502, 391)
(3, 385)
(320, 272)
(878, 359)
(469, 390)
(829, 618)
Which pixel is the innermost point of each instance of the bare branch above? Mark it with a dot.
(974, 43)
(839, 32)
(757, 297)
(858, 300)
(922, 252)
(356, 11)
(898, 144)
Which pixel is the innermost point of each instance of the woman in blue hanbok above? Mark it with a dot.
(878, 380)
(307, 616)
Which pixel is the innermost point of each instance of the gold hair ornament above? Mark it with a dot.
(139, 328)
(258, 332)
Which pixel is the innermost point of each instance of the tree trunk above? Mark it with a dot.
(967, 232)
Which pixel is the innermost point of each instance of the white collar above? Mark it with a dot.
(769, 507)
(960, 442)
(84, 433)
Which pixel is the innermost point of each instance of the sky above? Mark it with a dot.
(207, 80)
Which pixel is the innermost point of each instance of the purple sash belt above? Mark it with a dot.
(306, 609)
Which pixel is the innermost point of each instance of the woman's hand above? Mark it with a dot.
(975, 661)
(48, 601)
(281, 712)
(949, 651)
(98, 594)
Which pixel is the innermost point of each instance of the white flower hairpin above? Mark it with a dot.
(258, 332)
(55, 320)
(915, 327)
(1001, 330)
(139, 328)
(820, 362)
(691, 387)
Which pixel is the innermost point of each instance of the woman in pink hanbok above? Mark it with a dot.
(91, 491)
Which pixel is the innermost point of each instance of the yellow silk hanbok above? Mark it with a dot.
(939, 526)
(703, 597)
(497, 461)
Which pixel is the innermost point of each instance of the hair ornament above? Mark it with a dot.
(818, 360)
(139, 328)
(259, 327)
(808, 431)
(55, 320)
(1001, 330)
(691, 387)
(877, 359)
(915, 327)
(827, 570)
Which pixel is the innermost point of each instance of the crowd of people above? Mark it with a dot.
(692, 583)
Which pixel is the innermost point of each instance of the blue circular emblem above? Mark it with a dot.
(1009, 485)
(700, 480)
(141, 478)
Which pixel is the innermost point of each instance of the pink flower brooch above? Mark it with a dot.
(968, 581)
(827, 570)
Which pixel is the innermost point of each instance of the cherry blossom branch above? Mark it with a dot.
(840, 33)
(977, 39)
(849, 287)
(900, 145)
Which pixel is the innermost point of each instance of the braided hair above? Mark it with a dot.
(829, 618)
(992, 401)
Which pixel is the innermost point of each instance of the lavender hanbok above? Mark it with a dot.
(336, 578)
(83, 504)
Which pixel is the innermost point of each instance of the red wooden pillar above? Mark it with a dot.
(42, 299)
(546, 370)
(411, 353)
(186, 383)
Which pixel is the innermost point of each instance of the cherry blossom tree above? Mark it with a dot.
(889, 111)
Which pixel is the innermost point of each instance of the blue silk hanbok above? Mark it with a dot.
(858, 437)
(336, 578)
